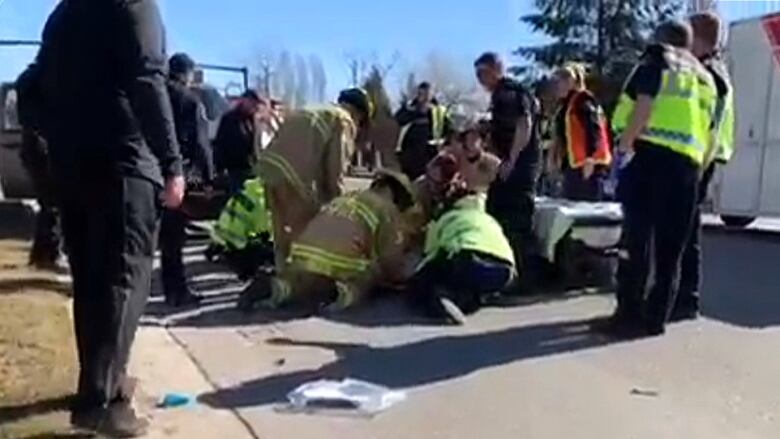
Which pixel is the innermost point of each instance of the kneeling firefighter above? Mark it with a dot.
(467, 257)
(355, 244)
(304, 166)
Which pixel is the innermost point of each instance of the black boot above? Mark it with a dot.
(254, 293)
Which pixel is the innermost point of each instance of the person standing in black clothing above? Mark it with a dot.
(189, 116)
(706, 35)
(115, 159)
(46, 251)
(237, 137)
(424, 126)
(515, 140)
(664, 120)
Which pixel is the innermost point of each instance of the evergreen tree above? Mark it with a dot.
(605, 34)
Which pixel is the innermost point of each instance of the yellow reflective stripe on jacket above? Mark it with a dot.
(336, 259)
(402, 136)
(725, 137)
(355, 210)
(439, 114)
(282, 165)
(327, 263)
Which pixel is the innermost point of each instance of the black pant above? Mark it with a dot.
(35, 158)
(690, 270)
(464, 278)
(414, 159)
(512, 204)
(577, 188)
(173, 237)
(109, 227)
(658, 191)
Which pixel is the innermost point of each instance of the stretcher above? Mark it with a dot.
(579, 239)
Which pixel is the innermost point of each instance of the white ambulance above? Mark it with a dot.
(749, 186)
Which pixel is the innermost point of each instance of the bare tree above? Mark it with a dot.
(357, 67)
(302, 82)
(284, 80)
(319, 81)
(453, 82)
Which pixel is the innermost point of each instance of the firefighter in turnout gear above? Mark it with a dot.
(304, 166)
(355, 244)
(706, 35)
(424, 126)
(664, 120)
(582, 150)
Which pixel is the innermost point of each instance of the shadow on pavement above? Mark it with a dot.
(10, 286)
(416, 364)
(16, 412)
(740, 279)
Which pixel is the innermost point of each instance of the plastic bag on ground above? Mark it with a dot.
(348, 394)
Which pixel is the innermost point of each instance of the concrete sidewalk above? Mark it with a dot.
(527, 372)
(163, 366)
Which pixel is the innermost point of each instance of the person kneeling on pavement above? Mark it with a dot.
(353, 245)
(467, 257)
(242, 236)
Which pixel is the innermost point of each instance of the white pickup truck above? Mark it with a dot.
(749, 186)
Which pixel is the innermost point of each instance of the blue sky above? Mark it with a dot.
(239, 31)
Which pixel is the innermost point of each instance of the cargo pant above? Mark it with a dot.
(304, 288)
(291, 213)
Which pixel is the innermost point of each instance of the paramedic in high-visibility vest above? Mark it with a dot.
(582, 150)
(242, 235)
(466, 258)
(424, 125)
(664, 121)
(304, 166)
(355, 244)
(706, 35)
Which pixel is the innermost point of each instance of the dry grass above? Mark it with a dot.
(37, 350)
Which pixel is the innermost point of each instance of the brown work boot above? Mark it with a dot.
(121, 421)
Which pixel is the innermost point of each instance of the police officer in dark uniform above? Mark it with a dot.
(189, 115)
(706, 35)
(664, 121)
(45, 253)
(515, 140)
(115, 159)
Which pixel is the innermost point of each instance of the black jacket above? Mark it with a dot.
(192, 128)
(421, 128)
(107, 110)
(234, 146)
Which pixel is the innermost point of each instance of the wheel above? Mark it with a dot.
(737, 221)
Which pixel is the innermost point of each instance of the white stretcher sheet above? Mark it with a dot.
(597, 225)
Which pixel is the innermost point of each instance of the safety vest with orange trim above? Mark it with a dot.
(577, 135)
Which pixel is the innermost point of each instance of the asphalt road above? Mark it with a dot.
(526, 372)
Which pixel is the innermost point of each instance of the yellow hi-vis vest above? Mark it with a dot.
(725, 126)
(439, 116)
(467, 227)
(244, 217)
(683, 111)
